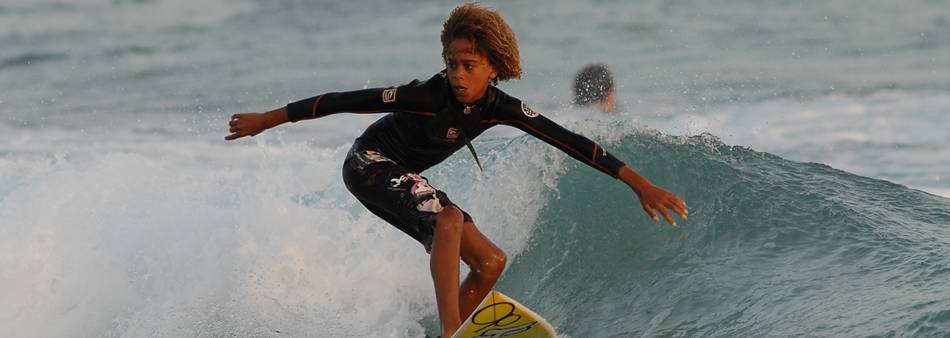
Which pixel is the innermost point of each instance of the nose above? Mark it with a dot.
(455, 74)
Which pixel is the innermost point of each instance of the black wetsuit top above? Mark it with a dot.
(427, 123)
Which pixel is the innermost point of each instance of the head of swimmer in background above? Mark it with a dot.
(594, 86)
(479, 48)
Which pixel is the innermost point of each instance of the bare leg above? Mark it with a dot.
(444, 263)
(486, 262)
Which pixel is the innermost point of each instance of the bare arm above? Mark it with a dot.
(653, 198)
(250, 124)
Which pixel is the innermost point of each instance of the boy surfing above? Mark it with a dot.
(426, 122)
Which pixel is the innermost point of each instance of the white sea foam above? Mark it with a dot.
(191, 238)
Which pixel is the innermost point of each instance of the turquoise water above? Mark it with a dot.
(772, 248)
(807, 137)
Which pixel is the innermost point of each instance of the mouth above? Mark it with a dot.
(459, 90)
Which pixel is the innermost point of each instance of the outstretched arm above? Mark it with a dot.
(413, 98)
(250, 124)
(653, 198)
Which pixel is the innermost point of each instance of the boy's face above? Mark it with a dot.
(469, 72)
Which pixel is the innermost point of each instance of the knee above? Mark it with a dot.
(492, 265)
(449, 219)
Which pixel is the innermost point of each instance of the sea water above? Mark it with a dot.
(808, 138)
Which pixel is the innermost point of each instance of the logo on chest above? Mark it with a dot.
(452, 134)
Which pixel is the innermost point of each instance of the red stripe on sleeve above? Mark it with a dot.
(554, 140)
(315, 103)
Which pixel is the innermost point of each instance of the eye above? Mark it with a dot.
(469, 67)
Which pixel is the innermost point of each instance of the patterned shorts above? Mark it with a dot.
(396, 194)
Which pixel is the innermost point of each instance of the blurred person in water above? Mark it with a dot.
(594, 88)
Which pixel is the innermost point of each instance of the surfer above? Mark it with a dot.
(594, 87)
(429, 120)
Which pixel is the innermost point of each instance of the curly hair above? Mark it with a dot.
(490, 35)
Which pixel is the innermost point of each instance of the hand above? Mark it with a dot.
(247, 124)
(653, 198)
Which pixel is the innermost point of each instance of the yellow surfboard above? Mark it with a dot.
(500, 316)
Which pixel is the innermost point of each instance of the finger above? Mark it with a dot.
(233, 122)
(666, 215)
(235, 129)
(678, 206)
(650, 212)
(680, 209)
(237, 116)
(232, 137)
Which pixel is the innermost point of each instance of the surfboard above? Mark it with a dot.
(500, 316)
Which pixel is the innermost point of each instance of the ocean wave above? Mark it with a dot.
(260, 238)
(772, 247)
(30, 58)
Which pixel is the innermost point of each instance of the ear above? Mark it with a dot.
(610, 102)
